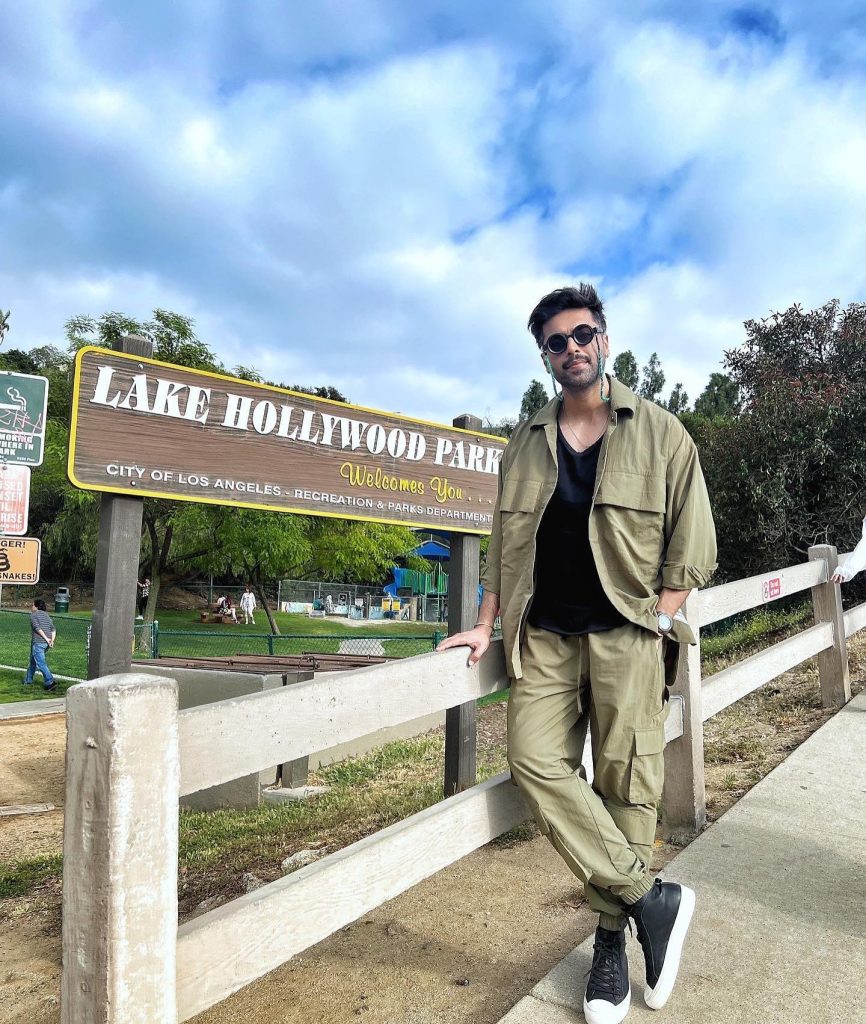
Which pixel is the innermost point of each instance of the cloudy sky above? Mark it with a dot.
(373, 194)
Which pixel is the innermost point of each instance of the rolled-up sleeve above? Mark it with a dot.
(491, 570)
(690, 554)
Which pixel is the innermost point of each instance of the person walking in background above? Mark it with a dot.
(143, 595)
(854, 562)
(42, 634)
(248, 605)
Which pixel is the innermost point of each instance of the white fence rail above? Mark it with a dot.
(131, 755)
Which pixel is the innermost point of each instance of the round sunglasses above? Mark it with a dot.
(581, 335)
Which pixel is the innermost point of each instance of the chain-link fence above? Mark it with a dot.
(302, 595)
(70, 653)
(207, 593)
(188, 643)
(68, 657)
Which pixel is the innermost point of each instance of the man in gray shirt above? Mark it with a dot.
(42, 634)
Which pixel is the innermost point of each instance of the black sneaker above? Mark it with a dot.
(608, 995)
(50, 687)
(662, 918)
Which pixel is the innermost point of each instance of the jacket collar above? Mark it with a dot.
(621, 399)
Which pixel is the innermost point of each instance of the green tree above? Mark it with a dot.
(721, 397)
(49, 483)
(625, 369)
(248, 543)
(652, 380)
(173, 336)
(350, 551)
(259, 546)
(175, 341)
(790, 470)
(323, 391)
(4, 323)
(500, 428)
(18, 361)
(679, 401)
(535, 397)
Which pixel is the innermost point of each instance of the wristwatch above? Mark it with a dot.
(665, 623)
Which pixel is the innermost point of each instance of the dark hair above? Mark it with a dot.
(39, 603)
(582, 297)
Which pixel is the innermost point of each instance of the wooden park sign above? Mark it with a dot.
(146, 428)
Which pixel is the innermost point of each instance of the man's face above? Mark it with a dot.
(577, 367)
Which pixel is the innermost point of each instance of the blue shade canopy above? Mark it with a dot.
(433, 549)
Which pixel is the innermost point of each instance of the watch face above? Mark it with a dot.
(665, 622)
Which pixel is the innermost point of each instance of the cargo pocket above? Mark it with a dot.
(647, 765)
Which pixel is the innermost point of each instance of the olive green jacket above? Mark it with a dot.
(650, 524)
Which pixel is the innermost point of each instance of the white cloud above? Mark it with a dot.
(358, 195)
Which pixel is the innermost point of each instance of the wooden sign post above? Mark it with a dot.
(114, 589)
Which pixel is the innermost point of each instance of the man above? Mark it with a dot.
(602, 527)
(42, 634)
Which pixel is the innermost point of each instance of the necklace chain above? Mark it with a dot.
(581, 445)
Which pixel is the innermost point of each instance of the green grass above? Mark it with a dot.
(367, 793)
(25, 876)
(11, 689)
(299, 634)
(750, 632)
(299, 624)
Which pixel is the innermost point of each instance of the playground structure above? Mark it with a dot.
(411, 594)
(131, 755)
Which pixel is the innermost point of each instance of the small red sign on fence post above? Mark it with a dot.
(772, 588)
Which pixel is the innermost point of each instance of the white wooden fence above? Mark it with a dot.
(131, 755)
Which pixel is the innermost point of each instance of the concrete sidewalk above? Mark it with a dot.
(779, 933)
(32, 708)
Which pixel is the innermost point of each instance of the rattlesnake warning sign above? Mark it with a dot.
(19, 559)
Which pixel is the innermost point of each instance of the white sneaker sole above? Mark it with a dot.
(601, 1012)
(655, 998)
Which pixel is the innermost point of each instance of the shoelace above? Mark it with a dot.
(604, 972)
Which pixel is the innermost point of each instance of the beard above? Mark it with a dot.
(579, 374)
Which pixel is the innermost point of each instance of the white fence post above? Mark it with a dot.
(827, 605)
(120, 852)
(684, 802)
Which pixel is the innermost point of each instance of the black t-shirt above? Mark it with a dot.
(569, 598)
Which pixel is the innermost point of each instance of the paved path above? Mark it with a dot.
(29, 708)
(779, 934)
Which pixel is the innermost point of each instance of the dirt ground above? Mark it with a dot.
(461, 947)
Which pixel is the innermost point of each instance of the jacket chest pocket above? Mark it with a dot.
(632, 492)
(518, 507)
(520, 496)
(630, 510)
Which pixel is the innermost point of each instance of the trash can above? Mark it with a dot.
(61, 599)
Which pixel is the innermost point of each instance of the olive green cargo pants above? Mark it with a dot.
(614, 683)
